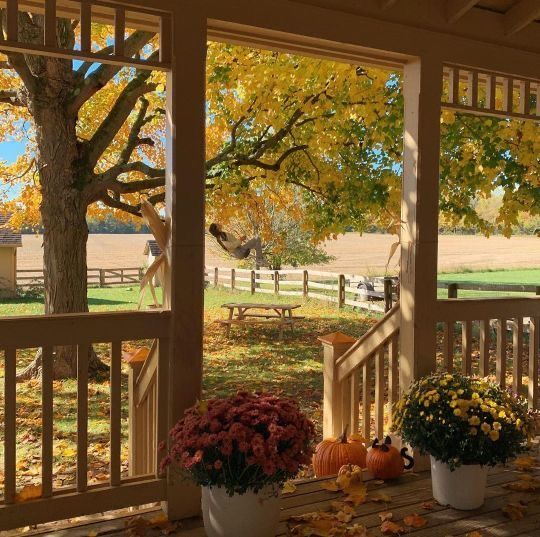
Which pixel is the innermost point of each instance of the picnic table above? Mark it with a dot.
(246, 313)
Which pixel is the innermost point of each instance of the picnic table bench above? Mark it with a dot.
(243, 314)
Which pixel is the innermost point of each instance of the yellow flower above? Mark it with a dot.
(475, 396)
(484, 408)
(474, 420)
(460, 392)
(426, 403)
(436, 397)
(422, 413)
(493, 412)
(497, 426)
(473, 431)
(457, 412)
(453, 404)
(443, 382)
(494, 435)
(519, 424)
(485, 427)
(502, 414)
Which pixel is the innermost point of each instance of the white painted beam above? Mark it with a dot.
(521, 15)
(455, 9)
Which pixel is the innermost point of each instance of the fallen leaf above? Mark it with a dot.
(415, 521)
(379, 497)
(474, 534)
(391, 528)
(428, 506)
(514, 511)
(525, 463)
(331, 486)
(29, 492)
(378, 482)
(357, 530)
(385, 515)
(357, 494)
(288, 488)
(523, 485)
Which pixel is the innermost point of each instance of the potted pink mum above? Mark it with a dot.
(241, 450)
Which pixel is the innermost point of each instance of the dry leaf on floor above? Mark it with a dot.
(428, 506)
(474, 534)
(415, 521)
(514, 511)
(385, 515)
(391, 528)
(29, 492)
(523, 485)
(330, 486)
(525, 463)
(288, 488)
(357, 530)
(357, 494)
(380, 497)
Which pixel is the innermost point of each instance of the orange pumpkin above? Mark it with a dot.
(386, 462)
(332, 454)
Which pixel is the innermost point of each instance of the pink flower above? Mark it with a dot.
(218, 464)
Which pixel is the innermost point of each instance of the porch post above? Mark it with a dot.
(184, 286)
(422, 91)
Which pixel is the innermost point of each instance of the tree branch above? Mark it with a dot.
(10, 97)
(131, 209)
(275, 166)
(119, 113)
(91, 84)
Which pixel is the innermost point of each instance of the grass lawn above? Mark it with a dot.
(252, 358)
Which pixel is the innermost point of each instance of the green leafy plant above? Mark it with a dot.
(463, 420)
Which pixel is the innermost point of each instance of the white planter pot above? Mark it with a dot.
(464, 488)
(241, 515)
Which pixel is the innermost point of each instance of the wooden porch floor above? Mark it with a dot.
(409, 495)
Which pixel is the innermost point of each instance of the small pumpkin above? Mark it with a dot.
(385, 461)
(332, 454)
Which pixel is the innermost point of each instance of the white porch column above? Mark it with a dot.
(184, 288)
(419, 213)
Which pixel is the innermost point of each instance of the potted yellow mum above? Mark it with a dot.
(465, 424)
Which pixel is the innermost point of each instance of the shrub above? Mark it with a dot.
(243, 442)
(463, 420)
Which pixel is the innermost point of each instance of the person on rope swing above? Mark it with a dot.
(235, 246)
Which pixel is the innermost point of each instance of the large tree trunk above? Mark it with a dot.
(63, 212)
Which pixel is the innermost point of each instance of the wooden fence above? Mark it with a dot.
(374, 294)
(96, 277)
(454, 287)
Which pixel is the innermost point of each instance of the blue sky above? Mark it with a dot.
(9, 151)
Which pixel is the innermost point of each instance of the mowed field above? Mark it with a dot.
(354, 253)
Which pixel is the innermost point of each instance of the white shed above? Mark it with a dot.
(10, 240)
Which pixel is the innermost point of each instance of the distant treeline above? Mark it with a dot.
(109, 224)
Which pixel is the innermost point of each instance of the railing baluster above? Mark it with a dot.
(484, 347)
(466, 347)
(162, 399)
(86, 34)
(119, 36)
(379, 392)
(491, 88)
(83, 351)
(472, 89)
(534, 344)
(453, 86)
(12, 20)
(47, 421)
(501, 353)
(393, 375)
(355, 401)
(346, 403)
(448, 346)
(50, 23)
(508, 94)
(10, 426)
(366, 398)
(517, 348)
(116, 409)
(524, 97)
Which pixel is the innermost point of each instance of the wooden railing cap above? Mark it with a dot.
(137, 357)
(336, 338)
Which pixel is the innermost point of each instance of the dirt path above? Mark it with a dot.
(354, 253)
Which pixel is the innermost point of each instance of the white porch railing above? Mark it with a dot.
(361, 378)
(81, 331)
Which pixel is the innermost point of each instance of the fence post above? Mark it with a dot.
(538, 289)
(335, 417)
(387, 293)
(216, 276)
(305, 284)
(233, 278)
(101, 277)
(276, 282)
(141, 273)
(341, 290)
(252, 282)
(452, 290)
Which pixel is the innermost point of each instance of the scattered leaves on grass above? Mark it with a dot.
(29, 492)
(288, 488)
(514, 511)
(415, 521)
(391, 528)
